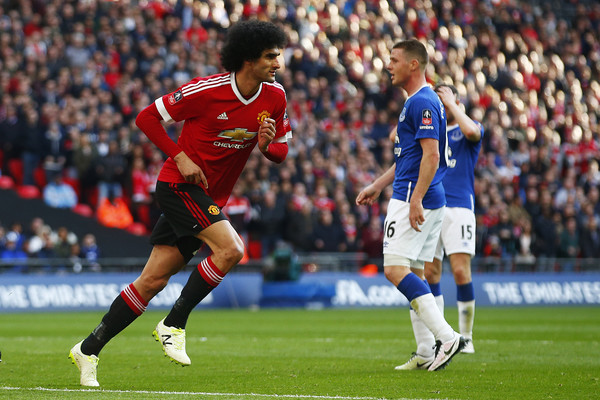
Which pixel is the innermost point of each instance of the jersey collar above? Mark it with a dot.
(450, 127)
(239, 95)
(425, 85)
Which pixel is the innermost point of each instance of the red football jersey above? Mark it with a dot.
(221, 127)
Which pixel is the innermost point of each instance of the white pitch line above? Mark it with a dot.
(289, 396)
(293, 396)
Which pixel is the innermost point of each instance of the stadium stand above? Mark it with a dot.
(75, 74)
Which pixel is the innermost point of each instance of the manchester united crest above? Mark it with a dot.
(214, 210)
(262, 115)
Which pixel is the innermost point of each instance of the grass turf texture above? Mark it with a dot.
(523, 353)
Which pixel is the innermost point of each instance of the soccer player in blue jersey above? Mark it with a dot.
(457, 238)
(416, 210)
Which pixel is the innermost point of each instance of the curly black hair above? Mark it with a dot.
(247, 40)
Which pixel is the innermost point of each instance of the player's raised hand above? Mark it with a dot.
(266, 134)
(446, 95)
(191, 172)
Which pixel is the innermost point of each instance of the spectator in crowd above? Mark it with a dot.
(350, 228)
(63, 242)
(589, 241)
(114, 212)
(525, 259)
(16, 227)
(31, 138)
(321, 200)
(328, 236)
(41, 243)
(10, 126)
(504, 229)
(13, 252)
(111, 171)
(58, 194)
(85, 157)
(372, 240)
(300, 226)
(269, 225)
(141, 198)
(239, 210)
(568, 245)
(90, 252)
(546, 243)
(2, 238)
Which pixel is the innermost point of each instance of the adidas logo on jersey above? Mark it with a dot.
(222, 116)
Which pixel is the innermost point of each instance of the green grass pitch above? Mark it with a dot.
(521, 353)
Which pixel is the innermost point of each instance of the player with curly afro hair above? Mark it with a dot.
(247, 40)
(225, 117)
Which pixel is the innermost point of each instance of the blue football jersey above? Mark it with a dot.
(459, 179)
(423, 116)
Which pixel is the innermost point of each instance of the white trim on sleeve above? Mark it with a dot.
(160, 105)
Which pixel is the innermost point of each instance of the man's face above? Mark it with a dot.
(398, 67)
(264, 68)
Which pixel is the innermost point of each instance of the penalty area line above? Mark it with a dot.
(160, 392)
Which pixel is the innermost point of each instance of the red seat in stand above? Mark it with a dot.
(84, 210)
(137, 229)
(29, 192)
(15, 169)
(6, 182)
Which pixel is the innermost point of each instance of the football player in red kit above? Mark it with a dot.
(225, 116)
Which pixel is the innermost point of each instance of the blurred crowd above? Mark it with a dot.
(75, 74)
(39, 241)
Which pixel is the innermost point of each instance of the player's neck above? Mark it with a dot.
(415, 84)
(246, 85)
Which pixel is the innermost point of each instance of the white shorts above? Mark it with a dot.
(458, 233)
(402, 241)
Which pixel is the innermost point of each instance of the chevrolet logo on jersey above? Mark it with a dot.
(237, 135)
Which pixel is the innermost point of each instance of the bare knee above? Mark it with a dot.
(430, 276)
(395, 274)
(164, 261)
(389, 275)
(462, 275)
(149, 285)
(461, 268)
(231, 254)
(433, 271)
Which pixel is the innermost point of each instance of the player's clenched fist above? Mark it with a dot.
(266, 134)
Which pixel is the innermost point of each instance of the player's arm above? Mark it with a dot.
(467, 126)
(392, 134)
(429, 165)
(149, 122)
(272, 149)
(370, 193)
